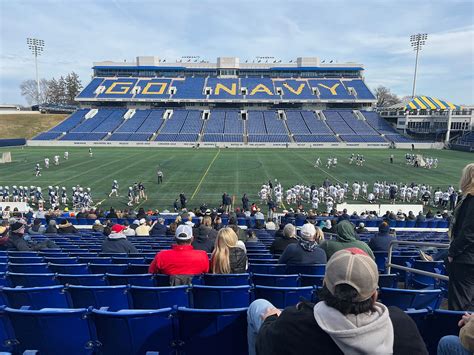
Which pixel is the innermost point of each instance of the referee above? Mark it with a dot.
(159, 176)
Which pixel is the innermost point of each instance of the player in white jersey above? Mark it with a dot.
(315, 202)
(435, 163)
(351, 159)
(90, 153)
(66, 155)
(278, 197)
(37, 170)
(438, 197)
(329, 163)
(445, 199)
(115, 187)
(56, 160)
(318, 163)
(340, 195)
(288, 197)
(371, 197)
(346, 186)
(403, 192)
(355, 190)
(364, 188)
(46, 163)
(334, 162)
(409, 193)
(329, 204)
(321, 192)
(416, 190)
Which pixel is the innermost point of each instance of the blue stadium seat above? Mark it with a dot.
(388, 280)
(406, 299)
(226, 279)
(25, 259)
(275, 280)
(211, 297)
(82, 279)
(276, 269)
(94, 260)
(4, 280)
(60, 260)
(311, 280)
(442, 322)
(282, 297)
(315, 269)
(7, 336)
(114, 297)
(76, 269)
(421, 281)
(135, 331)
(159, 297)
(131, 279)
(31, 280)
(36, 268)
(53, 331)
(37, 297)
(135, 269)
(108, 268)
(212, 330)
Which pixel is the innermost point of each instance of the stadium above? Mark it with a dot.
(236, 206)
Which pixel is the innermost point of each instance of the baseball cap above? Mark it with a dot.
(184, 232)
(117, 228)
(307, 231)
(353, 267)
(142, 221)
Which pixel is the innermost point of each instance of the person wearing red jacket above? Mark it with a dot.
(182, 262)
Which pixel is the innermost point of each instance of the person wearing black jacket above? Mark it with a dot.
(204, 236)
(116, 242)
(159, 229)
(461, 249)
(17, 242)
(289, 237)
(228, 257)
(347, 320)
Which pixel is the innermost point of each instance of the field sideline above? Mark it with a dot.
(204, 174)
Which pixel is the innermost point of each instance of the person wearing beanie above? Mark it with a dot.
(17, 242)
(116, 241)
(346, 320)
(306, 251)
(181, 262)
(346, 238)
(381, 241)
(66, 228)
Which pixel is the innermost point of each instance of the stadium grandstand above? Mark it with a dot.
(306, 103)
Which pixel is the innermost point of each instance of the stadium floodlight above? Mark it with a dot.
(36, 46)
(417, 41)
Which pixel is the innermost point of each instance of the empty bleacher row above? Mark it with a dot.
(211, 88)
(182, 125)
(49, 291)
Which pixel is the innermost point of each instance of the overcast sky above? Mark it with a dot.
(374, 33)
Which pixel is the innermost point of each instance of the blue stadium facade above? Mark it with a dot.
(303, 102)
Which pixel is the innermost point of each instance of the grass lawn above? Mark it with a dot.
(27, 125)
(204, 174)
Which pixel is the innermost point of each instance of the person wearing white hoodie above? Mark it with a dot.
(347, 320)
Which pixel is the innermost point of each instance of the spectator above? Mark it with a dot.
(289, 237)
(135, 224)
(17, 242)
(4, 228)
(159, 229)
(218, 223)
(112, 213)
(461, 249)
(346, 238)
(172, 229)
(270, 225)
(462, 344)
(182, 262)
(411, 216)
(116, 241)
(129, 232)
(204, 235)
(347, 319)
(143, 230)
(66, 228)
(307, 250)
(259, 215)
(36, 228)
(97, 226)
(52, 228)
(421, 217)
(361, 228)
(228, 257)
(381, 241)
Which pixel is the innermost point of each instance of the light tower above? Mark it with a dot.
(36, 46)
(417, 42)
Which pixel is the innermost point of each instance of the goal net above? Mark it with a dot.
(6, 158)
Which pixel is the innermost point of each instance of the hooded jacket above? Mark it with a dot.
(118, 243)
(461, 248)
(158, 230)
(298, 330)
(296, 254)
(17, 242)
(66, 228)
(279, 244)
(203, 242)
(346, 238)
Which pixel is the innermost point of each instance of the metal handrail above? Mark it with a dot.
(410, 269)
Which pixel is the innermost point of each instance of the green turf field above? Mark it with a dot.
(204, 174)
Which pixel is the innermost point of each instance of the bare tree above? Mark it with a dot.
(385, 98)
(29, 90)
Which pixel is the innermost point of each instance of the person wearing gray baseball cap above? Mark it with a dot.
(347, 319)
(182, 261)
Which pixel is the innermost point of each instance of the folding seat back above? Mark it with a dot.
(127, 260)
(136, 269)
(108, 268)
(422, 281)
(131, 279)
(213, 330)
(442, 322)
(212, 297)
(7, 337)
(14, 253)
(60, 260)
(381, 260)
(36, 268)
(3, 280)
(53, 331)
(94, 259)
(311, 280)
(82, 279)
(134, 331)
(277, 269)
(159, 297)
(37, 297)
(31, 280)
(388, 280)
(113, 297)
(314, 269)
(406, 299)
(275, 280)
(226, 279)
(282, 297)
(25, 259)
(75, 269)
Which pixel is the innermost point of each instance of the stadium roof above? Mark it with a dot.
(426, 103)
